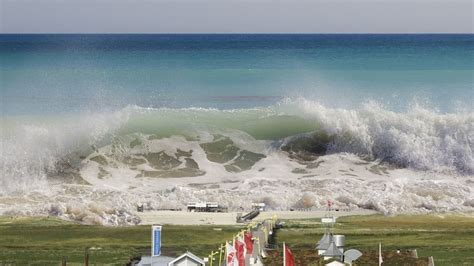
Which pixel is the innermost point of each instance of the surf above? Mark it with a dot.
(296, 148)
(420, 139)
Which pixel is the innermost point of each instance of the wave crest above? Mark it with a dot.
(419, 138)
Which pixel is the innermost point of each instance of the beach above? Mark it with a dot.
(210, 218)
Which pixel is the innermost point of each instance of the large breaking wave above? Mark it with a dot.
(121, 150)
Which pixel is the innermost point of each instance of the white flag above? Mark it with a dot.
(231, 256)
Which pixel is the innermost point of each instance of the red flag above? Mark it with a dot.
(239, 246)
(288, 259)
(248, 242)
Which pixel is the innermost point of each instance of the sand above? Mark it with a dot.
(187, 218)
(229, 218)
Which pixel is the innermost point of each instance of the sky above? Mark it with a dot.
(236, 16)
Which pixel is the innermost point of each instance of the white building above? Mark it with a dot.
(187, 259)
(335, 263)
(155, 261)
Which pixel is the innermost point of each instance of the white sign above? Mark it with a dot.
(328, 220)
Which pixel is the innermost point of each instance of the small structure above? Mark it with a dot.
(331, 246)
(351, 255)
(339, 240)
(261, 206)
(335, 263)
(332, 252)
(328, 222)
(247, 217)
(155, 261)
(187, 259)
(324, 243)
(205, 207)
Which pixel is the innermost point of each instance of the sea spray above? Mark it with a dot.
(34, 148)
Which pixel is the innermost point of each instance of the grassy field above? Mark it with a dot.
(45, 241)
(449, 238)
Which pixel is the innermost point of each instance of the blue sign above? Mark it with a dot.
(155, 240)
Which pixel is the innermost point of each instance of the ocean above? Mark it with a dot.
(92, 122)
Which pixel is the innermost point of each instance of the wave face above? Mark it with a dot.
(418, 139)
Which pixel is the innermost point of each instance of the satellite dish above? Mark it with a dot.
(351, 255)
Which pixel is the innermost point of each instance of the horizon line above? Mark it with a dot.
(238, 33)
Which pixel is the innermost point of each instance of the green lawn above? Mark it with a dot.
(45, 241)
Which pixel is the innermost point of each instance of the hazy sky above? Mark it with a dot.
(234, 16)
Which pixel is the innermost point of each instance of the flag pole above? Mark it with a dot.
(259, 247)
(211, 256)
(220, 255)
(380, 254)
(284, 254)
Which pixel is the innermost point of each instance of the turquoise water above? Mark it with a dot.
(50, 74)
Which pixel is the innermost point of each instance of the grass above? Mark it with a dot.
(448, 238)
(44, 241)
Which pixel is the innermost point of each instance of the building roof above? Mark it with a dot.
(322, 238)
(189, 255)
(332, 251)
(335, 263)
(160, 260)
(325, 241)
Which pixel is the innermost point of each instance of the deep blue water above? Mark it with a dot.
(47, 74)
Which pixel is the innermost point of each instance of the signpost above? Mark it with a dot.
(155, 240)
